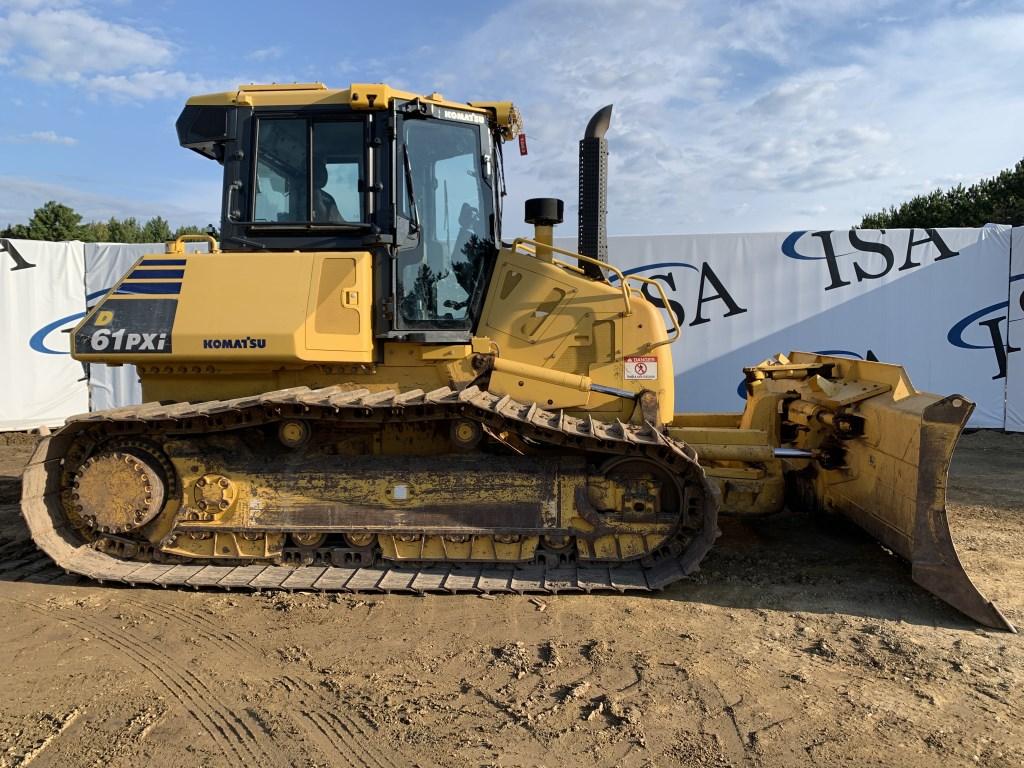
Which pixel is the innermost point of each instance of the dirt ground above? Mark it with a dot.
(801, 642)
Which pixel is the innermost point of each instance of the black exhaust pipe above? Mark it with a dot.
(593, 232)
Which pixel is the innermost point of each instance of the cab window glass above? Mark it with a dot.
(439, 277)
(281, 171)
(337, 170)
(291, 189)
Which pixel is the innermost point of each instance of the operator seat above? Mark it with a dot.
(325, 210)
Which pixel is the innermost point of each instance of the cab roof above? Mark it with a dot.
(357, 96)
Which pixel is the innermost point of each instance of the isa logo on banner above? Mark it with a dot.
(857, 260)
(983, 329)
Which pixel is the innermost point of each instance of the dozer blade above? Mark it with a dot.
(893, 447)
(906, 509)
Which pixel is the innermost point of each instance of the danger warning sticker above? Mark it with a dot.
(641, 368)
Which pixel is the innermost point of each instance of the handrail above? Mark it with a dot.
(530, 246)
(178, 246)
(520, 242)
(676, 330)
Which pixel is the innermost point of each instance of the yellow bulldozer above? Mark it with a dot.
(361, 386)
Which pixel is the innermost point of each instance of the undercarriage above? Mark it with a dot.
(342, 489)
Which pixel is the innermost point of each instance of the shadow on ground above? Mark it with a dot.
(803, 563)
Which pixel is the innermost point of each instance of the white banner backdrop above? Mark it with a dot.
(927, 299)
(105, 263)
(935, 301)
(41, 294)
(1015, 337)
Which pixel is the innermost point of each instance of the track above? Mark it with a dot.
(52, 533)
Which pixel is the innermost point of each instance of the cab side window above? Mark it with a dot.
(308, 171)
(282, 163)
(337, 171)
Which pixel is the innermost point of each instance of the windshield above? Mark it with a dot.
(292, 190)
(439, 278)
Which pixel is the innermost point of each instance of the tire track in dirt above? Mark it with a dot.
(336, 747)
(721, 717)
(126, 741)
(41, 568)
(235, 740)
(207, 628)
(20, 559)
(17, 547)
(344, 727)
(217, 727)
(326, 739)
(337, 735)
(60, 724)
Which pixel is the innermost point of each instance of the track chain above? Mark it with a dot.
(54, 534)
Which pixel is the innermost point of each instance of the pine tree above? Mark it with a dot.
(999, 200)
(54, 221)
(156, 230)
(188, 229)
(125, 230)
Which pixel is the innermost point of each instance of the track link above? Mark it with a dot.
(54, 534)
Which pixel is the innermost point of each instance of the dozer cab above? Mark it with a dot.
(362, 387)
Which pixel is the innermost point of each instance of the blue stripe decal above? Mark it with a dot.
(157, 274)
(163, 263)
(154, 288)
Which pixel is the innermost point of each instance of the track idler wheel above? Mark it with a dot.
(558, 543)
(116, 491)
(309, 539)
(360, 539)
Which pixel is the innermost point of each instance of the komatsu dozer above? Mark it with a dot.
(362, 387)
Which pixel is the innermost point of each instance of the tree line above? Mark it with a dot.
(998, 200)
(57, 222)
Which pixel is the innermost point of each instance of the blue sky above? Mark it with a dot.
(729, 116)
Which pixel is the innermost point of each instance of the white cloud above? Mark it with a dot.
(266, 54)
(51, 137)
(70, 44)
(49, 40)
(30, 5)
(155, 84)
(747, 116)
(41, 137)
(812, 211)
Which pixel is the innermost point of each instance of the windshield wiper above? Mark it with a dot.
(415, 224)
(245, 241)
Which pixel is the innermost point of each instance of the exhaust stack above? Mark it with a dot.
(593, 208)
